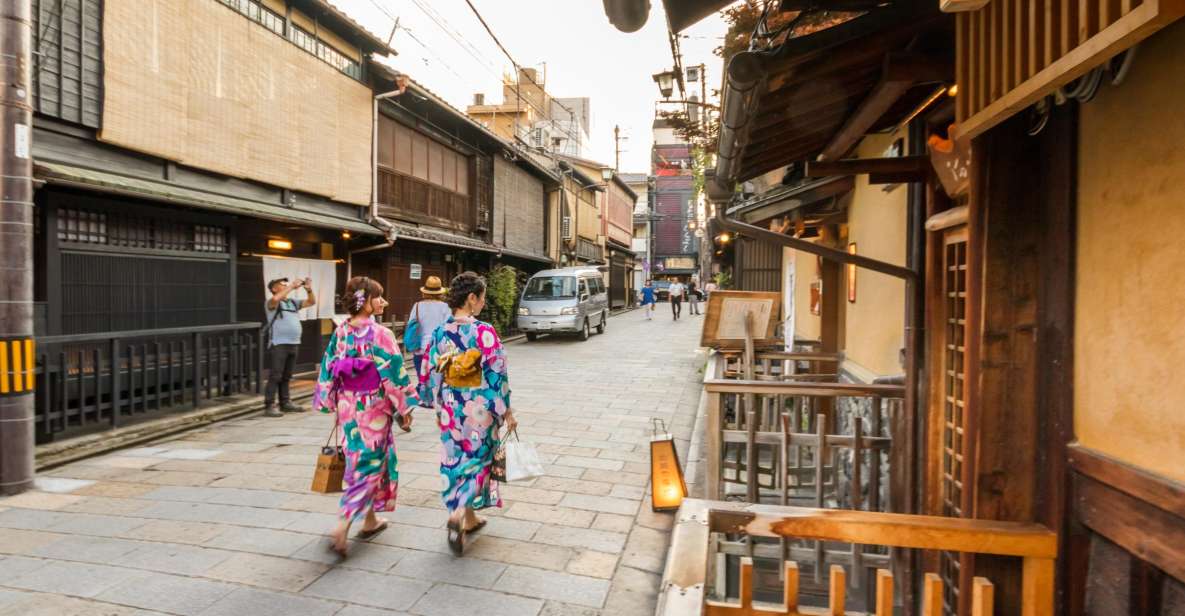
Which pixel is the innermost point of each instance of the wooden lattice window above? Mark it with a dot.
(954, 410)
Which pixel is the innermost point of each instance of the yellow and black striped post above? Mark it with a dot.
(16, 247)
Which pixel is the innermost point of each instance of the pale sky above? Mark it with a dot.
(583, 54)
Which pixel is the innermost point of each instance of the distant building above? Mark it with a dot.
(640, 183)
(675, 246)
(529, 114)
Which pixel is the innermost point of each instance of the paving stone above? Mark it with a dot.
(171, 558)
(628, 603)
(604, 504)
(599, 540)
(551, 515)
(142, 452)
(119, 461)
(15, 566)
(646, 549)
(60, 485)
(268, 572)
(43, 604)
(593, 564)
(167, 593)
(509, 528)
(553, 585)
(115, 489)
(636, 580)
(519, 552)
(631, 492)
(63, 578)
(189, 454)
(656, 520)
(99, 550)
(415, 538)
(357, 610)
(577, 486)
(40, 500)
(564, 472)
(613, 522)
(96, 525)
(516, 493)
(103, 505)
(368, 588)
(313, 523)
(584, 462)
(554, 608)
(449, 600)
(174, 531)
(418, 516)
(24, 542)
(259, 541)
(430, 567)
(316, 503)
(261, 482)
(620, 478)
(253, 602)
(363, 555)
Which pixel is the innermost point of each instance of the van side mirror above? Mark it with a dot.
(584, 297)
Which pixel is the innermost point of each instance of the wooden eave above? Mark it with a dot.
(819, 90)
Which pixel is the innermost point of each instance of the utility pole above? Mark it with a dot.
(617, 139)
(17, 360)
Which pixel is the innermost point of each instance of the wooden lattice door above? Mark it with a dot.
(955, 498)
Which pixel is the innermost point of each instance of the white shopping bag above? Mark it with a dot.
(522, 461)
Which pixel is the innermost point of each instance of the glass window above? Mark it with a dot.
(550, 287)
(583, 287)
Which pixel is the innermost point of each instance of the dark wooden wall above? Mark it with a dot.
(68, 60)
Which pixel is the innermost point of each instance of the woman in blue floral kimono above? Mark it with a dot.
(362, 381)
(473, 404)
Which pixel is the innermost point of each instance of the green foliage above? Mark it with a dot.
(723, 280)
(502, 288)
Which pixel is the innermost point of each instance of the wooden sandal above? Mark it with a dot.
(456, 538)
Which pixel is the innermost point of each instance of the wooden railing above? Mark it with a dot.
(95, 382)
(401, 196)
(695, 579)
(790, 420)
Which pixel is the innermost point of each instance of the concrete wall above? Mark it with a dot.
(1130, 304)
(518, 208)
(874, 323)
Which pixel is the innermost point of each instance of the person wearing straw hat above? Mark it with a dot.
(426, 315)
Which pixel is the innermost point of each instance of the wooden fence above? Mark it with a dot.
(690, 586)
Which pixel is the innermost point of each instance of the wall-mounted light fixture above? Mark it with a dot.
(346, 235)
(279, 244)
(668, 489)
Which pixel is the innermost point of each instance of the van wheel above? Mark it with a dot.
(584, 331)
(531, 337)
(601, 327)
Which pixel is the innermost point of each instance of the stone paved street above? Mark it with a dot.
(220, 520)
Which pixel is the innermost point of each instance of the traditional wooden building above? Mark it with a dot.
(1025, 286)
(176, 151)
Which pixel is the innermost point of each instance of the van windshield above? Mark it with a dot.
(551, 287)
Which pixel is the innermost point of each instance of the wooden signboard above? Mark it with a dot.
(724, 324)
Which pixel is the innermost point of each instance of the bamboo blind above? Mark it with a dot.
(1011, 53)
(197, 83)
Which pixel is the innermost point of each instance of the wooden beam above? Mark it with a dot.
(901, 71)
(900, 166)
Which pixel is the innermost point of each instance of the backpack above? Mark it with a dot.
(412, 337)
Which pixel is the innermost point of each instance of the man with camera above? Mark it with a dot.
(283, 332)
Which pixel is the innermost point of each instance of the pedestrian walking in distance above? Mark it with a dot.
(283, 328)
(472, 395)
(427, 314)
(677, 290)
(648, 299)
(363, 384)
(693, 297)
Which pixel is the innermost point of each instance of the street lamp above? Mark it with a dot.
(606, 173)
(666, 83)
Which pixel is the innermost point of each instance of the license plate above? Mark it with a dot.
(544, 325)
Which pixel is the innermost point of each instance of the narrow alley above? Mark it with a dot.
(221, 520)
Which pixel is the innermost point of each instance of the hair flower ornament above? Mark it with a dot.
(359, 298)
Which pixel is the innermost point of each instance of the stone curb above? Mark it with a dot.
(56, 454)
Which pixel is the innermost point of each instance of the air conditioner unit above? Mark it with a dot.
(566, 228)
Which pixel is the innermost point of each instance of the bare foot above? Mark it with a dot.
(340, 540)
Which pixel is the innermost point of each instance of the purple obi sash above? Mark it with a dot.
(356, 374)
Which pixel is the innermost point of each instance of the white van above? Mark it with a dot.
(567, 300)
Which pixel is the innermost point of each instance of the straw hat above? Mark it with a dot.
(433, 286)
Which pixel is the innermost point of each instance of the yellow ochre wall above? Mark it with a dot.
(198, 83)
(807, 326)
(875, 323)
(1130, 297)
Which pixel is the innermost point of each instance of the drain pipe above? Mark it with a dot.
(375, 219)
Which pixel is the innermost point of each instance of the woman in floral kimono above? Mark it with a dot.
(363, 382)
(472, 404)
